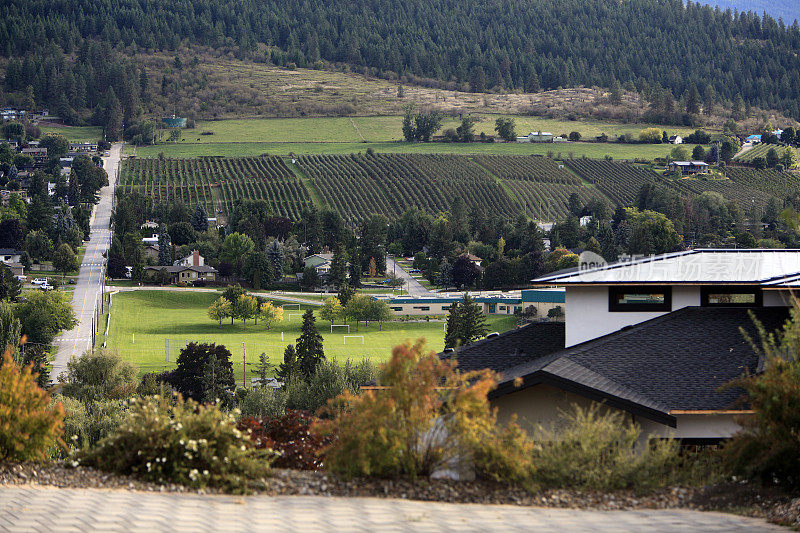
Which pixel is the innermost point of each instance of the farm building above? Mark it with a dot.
(536, 137)
(688, 167)
(676, 139)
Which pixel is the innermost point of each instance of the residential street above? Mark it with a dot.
(89, 284)
(413, 286)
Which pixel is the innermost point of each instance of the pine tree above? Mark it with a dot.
(276, 257)
(338, 273)
(345, 293)
(263, 368)
(692, 100)
(164, 248)
(355, 269)
(465, 323)
(288, 368)
(200, 218)
(309, 346)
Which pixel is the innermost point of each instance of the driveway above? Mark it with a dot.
(413, 286)
(31, 508)
(89, 285)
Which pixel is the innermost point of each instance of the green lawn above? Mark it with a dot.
(76, 133)
(180, 317)
(579, 149)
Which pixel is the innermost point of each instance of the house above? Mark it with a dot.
(320, 262)
(193, 259)
(676, 139)
(474, 259)
(688, 167)
(17, 269)
(5, 196)
(184, 274)
(10, 255)
(655, 337)
(753, 139)
(39, 156)
(82, 148)
(537, 137)
(151, 251)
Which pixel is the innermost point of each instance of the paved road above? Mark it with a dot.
(413, 286)
(30, 508)
(89, 284)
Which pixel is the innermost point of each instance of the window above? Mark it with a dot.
(422, 307)
(640, 298)
(446, 308)
(396, 308)
(725, 296)
(502, 307)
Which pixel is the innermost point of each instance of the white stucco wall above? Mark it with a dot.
(543, 404)
(588, 316)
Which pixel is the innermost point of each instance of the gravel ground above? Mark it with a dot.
(740, 498)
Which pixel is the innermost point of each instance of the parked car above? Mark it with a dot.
(414, 271)
(71, 281)
(46, 287)
(39, 281)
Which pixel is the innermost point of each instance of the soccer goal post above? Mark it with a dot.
(345, 337)
(340, 326)
(291, 307)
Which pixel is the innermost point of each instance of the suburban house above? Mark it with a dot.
(82, 148)
(657, 338)
(534, 301)
(184, 274)
(10, 255)
(474, 259)
(39, 155)
(319, 262)
(151, 251)
(753, 139)
(688, 167)
(5, 196)
(676, 139)
(536, 137)
(193, 259)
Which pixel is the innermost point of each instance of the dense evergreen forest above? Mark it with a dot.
(647, 45)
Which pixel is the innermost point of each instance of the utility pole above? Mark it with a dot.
(244, 366)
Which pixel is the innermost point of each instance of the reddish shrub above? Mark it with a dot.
(290, 435)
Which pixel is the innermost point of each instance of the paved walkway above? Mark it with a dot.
(30, 508)
(89, 285)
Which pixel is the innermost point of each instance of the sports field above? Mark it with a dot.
(145, 324)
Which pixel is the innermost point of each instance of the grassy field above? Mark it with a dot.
(75, 133)
(142, 320)
(386, 128)
(578, 149)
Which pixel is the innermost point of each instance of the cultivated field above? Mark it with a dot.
(143, 321)
(760, 150)
(558, 150)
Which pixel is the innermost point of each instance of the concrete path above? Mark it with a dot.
(30, 508)
(413, 286)
(89, 284)
(273, 295)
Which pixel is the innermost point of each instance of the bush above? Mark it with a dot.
(30, 425)
(596, 450)
(329, 380)
(291, 436)
(768, 447)
(165, 440)
(100, 375)
(85, 424)
(264, 402)
(423, 417)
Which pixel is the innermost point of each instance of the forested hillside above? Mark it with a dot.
(787, 10)
(477, 44)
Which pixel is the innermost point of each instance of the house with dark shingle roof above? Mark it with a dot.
(659, 338)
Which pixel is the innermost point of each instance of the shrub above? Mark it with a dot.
(768, 447)
(85, 424)
(100, 375)
(594, 450)
(423, 416)
(29, 424)
(328, 381)
(165, 440)
(264, 402)
(291, 436)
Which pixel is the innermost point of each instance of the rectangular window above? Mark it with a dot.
(446, 308)
(639, 298)
(422, 307)
(396, 308)
(733, 296)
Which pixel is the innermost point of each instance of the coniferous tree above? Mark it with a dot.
(465, 323)
(276, 258)
(338, 272)
(263, 368)
(288, 367)
(164, 248)
(309, 346)
(200, 218)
